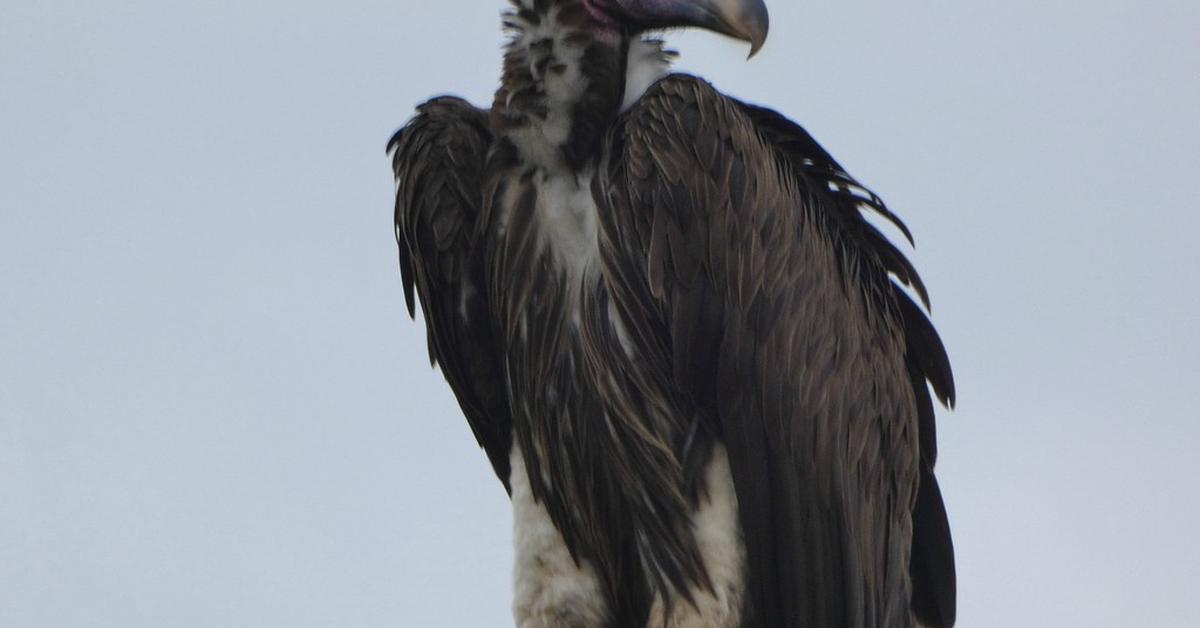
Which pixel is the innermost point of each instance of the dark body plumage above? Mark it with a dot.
(724, 289)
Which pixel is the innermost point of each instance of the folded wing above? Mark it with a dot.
(438, 159)
(735, 236)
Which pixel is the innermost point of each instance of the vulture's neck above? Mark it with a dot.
(566, 76)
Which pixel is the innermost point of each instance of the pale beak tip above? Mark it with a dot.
(755, 46)
(754, 23)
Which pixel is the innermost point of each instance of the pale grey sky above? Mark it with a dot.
(213, 411)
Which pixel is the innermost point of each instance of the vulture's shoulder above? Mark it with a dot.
(719, 159)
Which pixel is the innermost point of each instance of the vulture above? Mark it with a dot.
(699, 369)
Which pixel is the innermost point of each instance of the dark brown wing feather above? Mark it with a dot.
(438, 159)
(932, 561)
(728, 227)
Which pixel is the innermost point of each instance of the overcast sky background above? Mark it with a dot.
(214, 412)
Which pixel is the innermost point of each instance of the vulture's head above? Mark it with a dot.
(743, 19)
(571, 65)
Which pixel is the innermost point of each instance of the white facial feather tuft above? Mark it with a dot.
(647, 63)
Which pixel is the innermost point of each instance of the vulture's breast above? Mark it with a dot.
(578, 385)
(554, 302)
(612, 449)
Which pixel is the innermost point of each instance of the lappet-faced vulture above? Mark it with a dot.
(686, 352)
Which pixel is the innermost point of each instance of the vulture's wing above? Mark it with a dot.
(932, 560)
(733, 234)
(438, 159)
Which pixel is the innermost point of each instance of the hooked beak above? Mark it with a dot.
(746, 20)
(742, 19)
